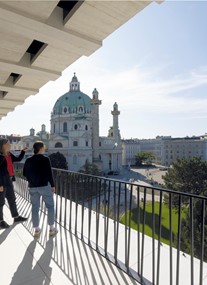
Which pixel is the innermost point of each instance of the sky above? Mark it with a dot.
(154, 67)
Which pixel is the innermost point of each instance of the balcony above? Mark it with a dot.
(97, 244)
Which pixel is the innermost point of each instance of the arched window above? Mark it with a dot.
(80, 109)
(76, 127)
(75, 159)
(58, 144)
(65, 109)
(86, 127)
(65, 127)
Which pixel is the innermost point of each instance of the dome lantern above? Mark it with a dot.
(74, 84)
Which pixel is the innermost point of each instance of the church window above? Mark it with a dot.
(65, 110)
(76, 127)
(81, 109)
(86, 143)
(65, 127)
(99, 143)
(75, 143)
(86, 127)
(54, 128)
(75, 159)
(58, 144)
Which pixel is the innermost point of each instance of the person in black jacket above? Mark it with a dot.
(6, 185)
(37, 169)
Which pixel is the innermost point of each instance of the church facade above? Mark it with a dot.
(75, 131)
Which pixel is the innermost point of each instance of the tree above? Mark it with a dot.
(144, 157)
(189, 176)
(197, 232)
(91, 168)
(58, 160)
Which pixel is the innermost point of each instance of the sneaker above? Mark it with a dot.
(37, 233)
(53, 232)
(20, 219)
(4, 225)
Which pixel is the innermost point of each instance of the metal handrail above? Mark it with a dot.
(91, 206)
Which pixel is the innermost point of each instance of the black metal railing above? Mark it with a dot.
(148, 232)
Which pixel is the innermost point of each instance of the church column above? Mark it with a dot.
(95, 102)
(116, 114)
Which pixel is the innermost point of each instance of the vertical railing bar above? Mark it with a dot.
(129, 228)
(143, 233)
(70, 195)
(202, 242)
(105, 220)
(159, 239)
(125, 207)
(117, 228)
(178, 241)
(98, 211)
(107, 224)
(83, 184)
(65, 199)
(170, 223)
(89, 207)
(153, 237)
(138, 230)
(60, 198)
(191, 241)
(114, 217)
(57, 186)
(76, 201)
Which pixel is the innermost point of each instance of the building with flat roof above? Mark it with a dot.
(165, 148)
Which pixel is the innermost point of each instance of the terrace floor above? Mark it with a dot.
(64, 259)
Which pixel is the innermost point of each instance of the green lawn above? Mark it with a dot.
(165, 233)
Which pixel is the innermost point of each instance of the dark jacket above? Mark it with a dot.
(17, 158)
(4, 174)
(37, 169)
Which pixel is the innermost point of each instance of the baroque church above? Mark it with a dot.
(75, 132)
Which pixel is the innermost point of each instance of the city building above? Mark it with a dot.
(75, 131)
(187, 147)
(165, 148)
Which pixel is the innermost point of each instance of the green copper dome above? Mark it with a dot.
(74, 101)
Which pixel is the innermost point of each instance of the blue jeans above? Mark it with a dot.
(47, 196)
